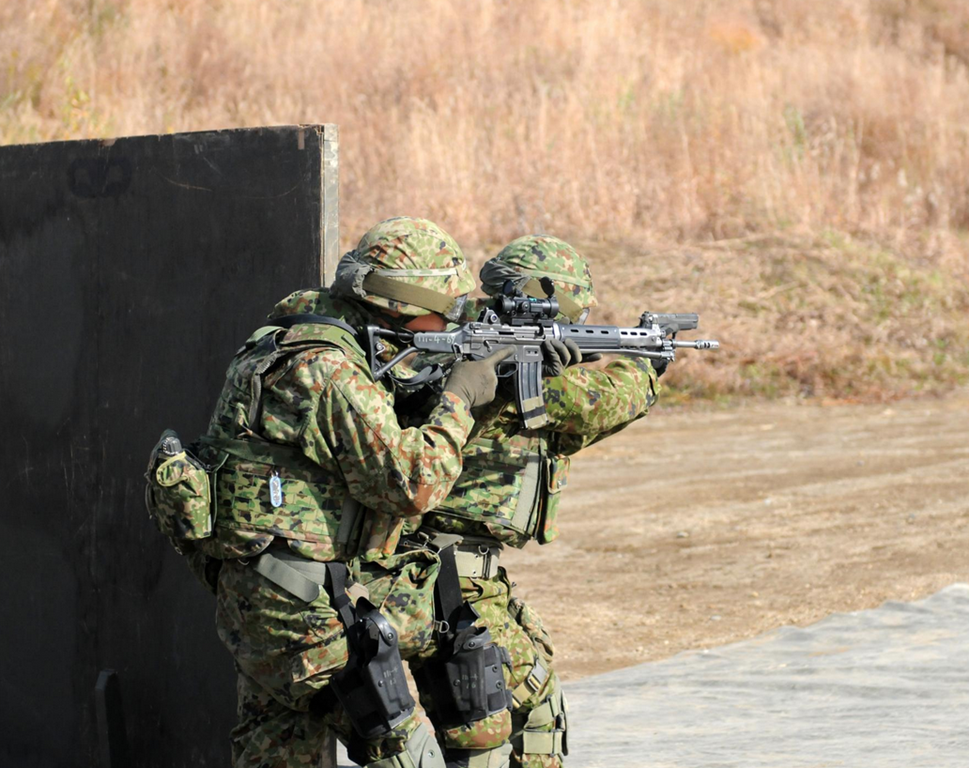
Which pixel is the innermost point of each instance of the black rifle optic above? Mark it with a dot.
(523, 323)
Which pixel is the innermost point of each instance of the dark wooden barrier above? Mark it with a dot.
(130, 271)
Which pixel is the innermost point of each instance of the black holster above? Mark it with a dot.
(372, 687)
(466, 679)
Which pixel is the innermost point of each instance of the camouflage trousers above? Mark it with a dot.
(536, 728)
(286, 651)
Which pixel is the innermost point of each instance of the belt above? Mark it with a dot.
(301, 577)
(475, 557)
(479, 561)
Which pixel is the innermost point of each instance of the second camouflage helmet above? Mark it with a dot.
(408, 265)
(528, 259)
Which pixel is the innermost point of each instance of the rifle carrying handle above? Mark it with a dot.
(529, 396)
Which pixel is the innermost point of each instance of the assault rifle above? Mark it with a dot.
(523, 322)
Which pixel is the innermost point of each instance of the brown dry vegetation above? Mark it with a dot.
(796, 171)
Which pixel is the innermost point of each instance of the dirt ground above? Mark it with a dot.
(692, 529)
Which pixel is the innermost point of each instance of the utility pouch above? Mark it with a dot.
(466, 681)
(178, 492)
(556, 478)
(372, 687)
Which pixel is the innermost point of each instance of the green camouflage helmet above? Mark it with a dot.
(408, 265)
(528, 259)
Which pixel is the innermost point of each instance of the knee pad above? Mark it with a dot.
(372, 687)
(421, 751)
(499, 757)
(545, 728)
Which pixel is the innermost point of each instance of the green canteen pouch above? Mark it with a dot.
(179, 490)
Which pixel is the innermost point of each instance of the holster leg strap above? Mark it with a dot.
(531, 684)
(546, 730)
(422, 751)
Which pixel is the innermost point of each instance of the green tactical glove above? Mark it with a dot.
(475, 381)
(557, 355)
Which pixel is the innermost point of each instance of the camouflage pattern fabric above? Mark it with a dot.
(323, 401)
(335, 442)
(537, 256)
(519, 630)
(413, 251)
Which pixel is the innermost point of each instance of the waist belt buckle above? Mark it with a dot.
(489, 562)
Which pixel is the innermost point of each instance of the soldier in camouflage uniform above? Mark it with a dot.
(318, 472)
(508, 494)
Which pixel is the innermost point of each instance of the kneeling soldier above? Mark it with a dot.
(507, 495)
(312, 476)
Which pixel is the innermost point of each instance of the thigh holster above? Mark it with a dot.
(466, 679)
(372, 687)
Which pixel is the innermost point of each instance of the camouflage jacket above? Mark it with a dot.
(349, 472)
(512, 479)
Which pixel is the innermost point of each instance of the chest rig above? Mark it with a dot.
(508, 489)
(266, 489)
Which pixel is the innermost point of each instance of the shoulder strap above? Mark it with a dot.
(288, 321)
(255, 384)
(275, 353)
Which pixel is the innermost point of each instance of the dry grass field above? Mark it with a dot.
(795, 171)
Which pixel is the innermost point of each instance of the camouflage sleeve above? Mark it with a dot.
(587, 405)
(388, 468)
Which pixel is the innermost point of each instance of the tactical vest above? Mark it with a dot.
(509, 489)
(267, 489)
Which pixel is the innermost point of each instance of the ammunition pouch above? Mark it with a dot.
(545, 730)
(372, 687)
(508, 488)
(420, 751)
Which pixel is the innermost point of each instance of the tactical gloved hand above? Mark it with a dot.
(557, 355)
(475, 381)
(659, 365)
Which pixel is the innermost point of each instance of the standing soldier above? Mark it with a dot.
(315, 474)
(508, 494)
